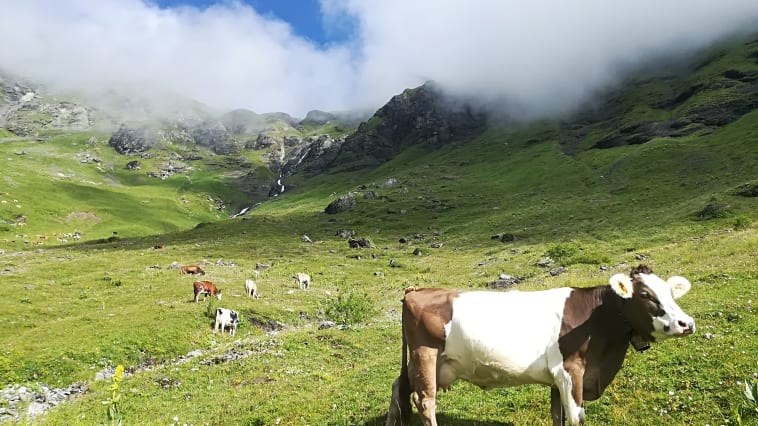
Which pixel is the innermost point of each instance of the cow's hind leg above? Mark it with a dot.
(400, 405)
(425, 383)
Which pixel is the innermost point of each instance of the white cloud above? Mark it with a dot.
(544, 54)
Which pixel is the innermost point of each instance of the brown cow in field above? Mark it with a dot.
(205, 288)
(192, 269)
(571, 339)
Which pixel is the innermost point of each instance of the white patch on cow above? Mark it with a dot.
(251, 289)
(575, 413)
(673, 322)
(505, 339)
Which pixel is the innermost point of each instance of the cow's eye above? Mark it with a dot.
(644, 295)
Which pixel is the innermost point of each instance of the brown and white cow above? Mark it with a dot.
(192, 269)
(571, 339)
(205, 288)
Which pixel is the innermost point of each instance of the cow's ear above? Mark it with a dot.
(622, 285)
(679, 286)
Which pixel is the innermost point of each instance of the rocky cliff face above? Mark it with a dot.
(25, 111)
(420, 116)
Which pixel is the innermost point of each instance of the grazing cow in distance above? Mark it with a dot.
(251, 289)
(303, 280)
(192, 269)
(205, 288)
(226, 318)
(571, 339)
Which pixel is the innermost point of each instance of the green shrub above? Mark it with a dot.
(589, 258)
(742, 222)
(210, 308)
(562, 252)
(348, 308)
(749, 408)
(714, 211)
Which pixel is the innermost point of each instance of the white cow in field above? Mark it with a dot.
(226, 318)
(251, 289)
(303, 280)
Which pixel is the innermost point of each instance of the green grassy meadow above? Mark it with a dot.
(73, 308)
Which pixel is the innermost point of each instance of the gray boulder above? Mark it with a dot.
(131, 141)
(341, 204)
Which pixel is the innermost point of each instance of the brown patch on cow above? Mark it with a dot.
(593, 312)
(430, 309)
(425, 313)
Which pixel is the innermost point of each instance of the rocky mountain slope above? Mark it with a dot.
(260, 152)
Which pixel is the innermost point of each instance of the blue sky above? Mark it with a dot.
(538, 57)
(303, 15)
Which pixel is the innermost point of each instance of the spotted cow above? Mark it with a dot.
(571, 339)
(226, 318)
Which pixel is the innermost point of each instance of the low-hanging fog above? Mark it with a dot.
(544, 55)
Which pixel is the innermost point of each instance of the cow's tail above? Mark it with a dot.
(400, 405)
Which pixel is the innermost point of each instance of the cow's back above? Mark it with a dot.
(505, 338)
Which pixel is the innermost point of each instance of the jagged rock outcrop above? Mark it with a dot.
(131, 141)
(312, 155)
(133, 165)
(214, 135)
(341, 204)
(263, 141)
(25, 111)
(420, 116)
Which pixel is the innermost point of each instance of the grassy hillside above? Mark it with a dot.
(71, 183)
(678, 204)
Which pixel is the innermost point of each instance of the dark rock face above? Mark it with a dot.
(133, 165)
(504, 281)
(129, 141)
(639, 133)
(263, 141)
(345, 233)
(312, 155)
(417, 116)
(747, 190)
(214, 135)
(341, 204)
(360, 243)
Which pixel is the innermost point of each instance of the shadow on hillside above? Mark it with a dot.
(442, 419)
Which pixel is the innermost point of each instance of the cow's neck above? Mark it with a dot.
(595, 328)
(636, 337)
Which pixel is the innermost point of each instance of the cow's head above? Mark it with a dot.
(648, 303)
(218, 295)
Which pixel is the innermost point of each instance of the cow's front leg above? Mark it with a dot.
(569, 380)
(425, 384)
(556, 407)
